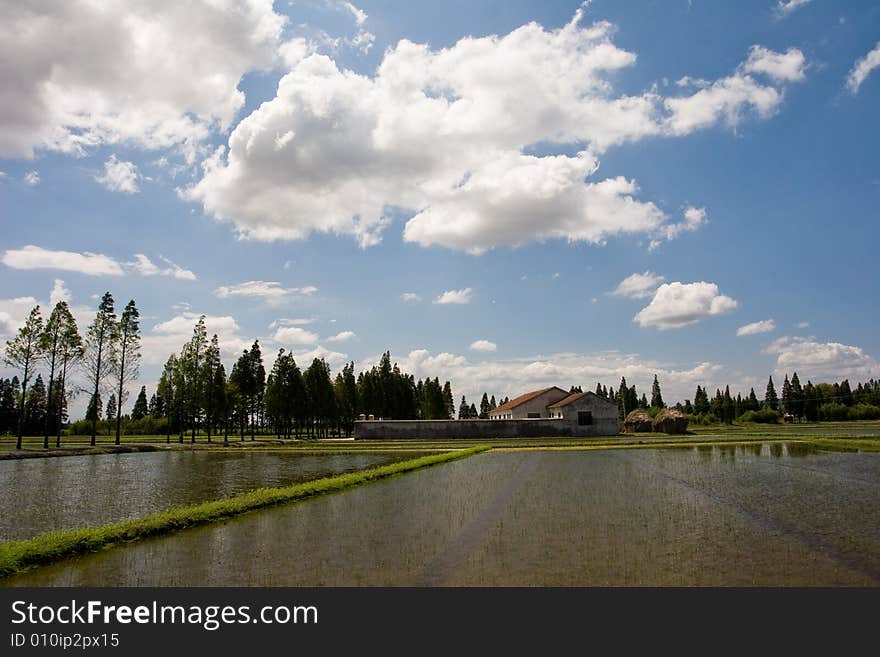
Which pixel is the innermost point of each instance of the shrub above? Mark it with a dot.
(863, 412)
(833, 411)
(764, 416)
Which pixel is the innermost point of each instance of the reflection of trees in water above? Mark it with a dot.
(801, 449)
(776, 450)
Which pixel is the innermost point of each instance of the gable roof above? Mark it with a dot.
(566, 401)
(522, 399)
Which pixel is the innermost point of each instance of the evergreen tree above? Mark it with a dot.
(797, 396)
(752, 404)
(169, 397)
(492, 404)
(643, 402)
(51, 346)
(93, 410)
(36, 407)
(727, 411)
(811, 402)
(141, 407)
(191, 374)
(210, 364)
(473, 411)
(701, 401)
(599, 390)
(127, 366)
(484, 407)
(770, 397)
(70, 353)
(846, 396)
(786, 395)
(449, 403)
(110, 411)
(22, 353)
(8, 412)
(464, 411)
(623, 406)
(100, 351)
(656, 397)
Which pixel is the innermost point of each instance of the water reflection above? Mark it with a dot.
(79, 491)
(614, 517)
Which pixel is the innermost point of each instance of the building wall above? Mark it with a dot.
(538, 405)
(604, 416)
(474, 429)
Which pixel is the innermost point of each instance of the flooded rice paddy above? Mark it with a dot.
(721, 515)
(42, 495)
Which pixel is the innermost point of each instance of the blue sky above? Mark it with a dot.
(681, 188)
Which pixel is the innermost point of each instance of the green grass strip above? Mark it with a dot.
(18, 556)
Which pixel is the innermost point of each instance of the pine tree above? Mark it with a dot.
(127, 365)
(141, 408)
(100, 351)
(449, 403)
(36, 407)
(492, 404)
(797, 396)
(473, 411)
(71, 351)
(623, 406)
(168, 395)
(484, 407)
(656, 397)
(110, 411)
(464, 411)
(643, 402)
(770, 397)
(23, 352)
(752, 404)
(786, 395)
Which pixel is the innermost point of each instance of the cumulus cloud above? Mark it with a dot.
(168, 337)
(455, 296)
(119, 176)
(146, 267)
(334, 359)
(694, 219)
(288, 335)
(638, 286)
(156, 73)
(680, 304)
(35, 257)
(444, 135)
(271, 291)
(292, 321)
(785, 8)
(342, 336)
(822, 361)
(513, 377)
(862, 69)
(410, 296)
(483, 345)
(764, 326)
(32, 178)
(59, 292)
(782, 67)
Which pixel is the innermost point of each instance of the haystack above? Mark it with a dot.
(671, 420)
(638, 422)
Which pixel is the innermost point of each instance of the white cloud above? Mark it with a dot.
(680, 304)
(786, 7)
(803, 325)
(781, 67)
(294, 321)
(13, 313)
(294, 335)
(410, 296)
(822, 361)
(764, 326)
(334, 358)
(360, 16)
(862, 68)
(513, 377)
(168, 337)
(32, 178)
(442, 134)
(271, 291)
(146, 267)
(483, 345)
(638, 286)
(154, 73)
(120, 176)
(455, 296)
(59, 293)
(342, 336)
(694, 219)
(35, 257)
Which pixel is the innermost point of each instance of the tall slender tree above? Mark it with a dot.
(23, 352)
(100, 352)
(127, 366)
(165, 391)
(71, 353)
(656, 397)
(50, 346)
(770, 396)
(141, 406)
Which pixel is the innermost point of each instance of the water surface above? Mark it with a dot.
(46, 494)
(730, 516)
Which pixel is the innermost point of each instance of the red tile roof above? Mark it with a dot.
(565, 402)
(522, 399)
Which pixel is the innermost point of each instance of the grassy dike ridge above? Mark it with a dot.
(18, 556)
